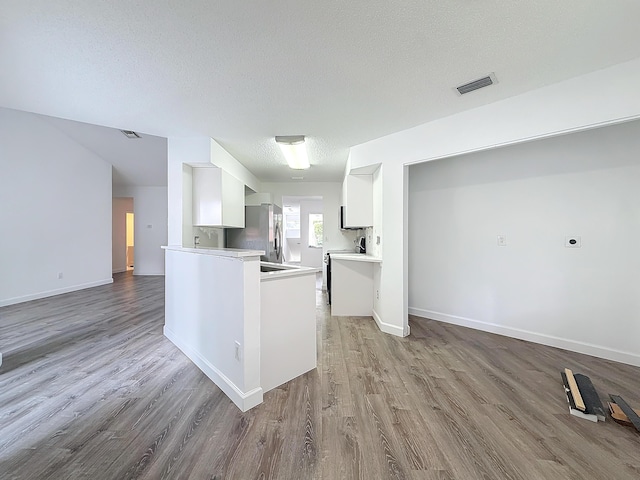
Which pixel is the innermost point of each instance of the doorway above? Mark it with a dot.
(130, 240)
(122, 234)
(291, 234)
(303, 219)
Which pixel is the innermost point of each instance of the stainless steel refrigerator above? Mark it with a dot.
(262, 231)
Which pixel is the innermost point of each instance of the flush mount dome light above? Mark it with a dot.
(294, 151)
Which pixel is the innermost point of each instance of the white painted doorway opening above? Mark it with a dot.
(303, 230)
(130, 240)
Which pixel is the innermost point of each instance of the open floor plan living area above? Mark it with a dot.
(319, 240)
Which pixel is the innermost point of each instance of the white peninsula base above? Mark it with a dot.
(288, 326)
(248, 331)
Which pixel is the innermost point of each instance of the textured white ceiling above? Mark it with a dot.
(339, 72)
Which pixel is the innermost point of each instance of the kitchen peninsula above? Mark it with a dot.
(248, 325)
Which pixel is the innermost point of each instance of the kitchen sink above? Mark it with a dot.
(268, 268)
(274, 267)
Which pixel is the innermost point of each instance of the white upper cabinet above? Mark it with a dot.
(218, 198)
(357, 192)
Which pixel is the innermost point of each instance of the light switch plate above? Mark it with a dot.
(502, 240)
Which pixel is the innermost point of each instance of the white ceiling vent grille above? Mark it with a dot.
(477, 84)
(130, 134)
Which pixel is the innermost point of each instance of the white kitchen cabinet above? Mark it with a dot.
(357, 192)
(351, 288)
(218, 198)
(352, 284)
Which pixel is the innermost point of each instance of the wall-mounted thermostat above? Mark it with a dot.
(572, 241)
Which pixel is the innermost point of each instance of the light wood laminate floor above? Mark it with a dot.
(90, 389)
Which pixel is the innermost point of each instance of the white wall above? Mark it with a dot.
(223, 159)
(373, 248)
(119, 233)
(185, 200)
(585, 299)
(150, 229)
(55, 211)
(375, 231)
(602, 97)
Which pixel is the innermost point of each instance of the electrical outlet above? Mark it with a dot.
(502, 240)
(237, 351)
(60, 275)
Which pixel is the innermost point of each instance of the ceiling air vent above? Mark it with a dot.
(130, 134)
(476, 84)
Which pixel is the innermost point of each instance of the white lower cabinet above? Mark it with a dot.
(352, 286)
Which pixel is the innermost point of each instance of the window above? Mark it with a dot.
(315, 230)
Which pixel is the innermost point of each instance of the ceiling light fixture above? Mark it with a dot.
(130, 134)
(294, 151)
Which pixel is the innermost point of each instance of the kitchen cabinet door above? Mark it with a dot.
(358, 201)
(218, 198)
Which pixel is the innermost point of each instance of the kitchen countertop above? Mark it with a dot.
(356, 257)
(219, 252)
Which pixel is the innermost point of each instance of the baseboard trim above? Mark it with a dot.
(147, 274)
(541, 338)
(243, 400)
(387, 327)
(118, 270)
(52, 293)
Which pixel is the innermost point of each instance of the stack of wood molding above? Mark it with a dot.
(622, 413)
(583, 398)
